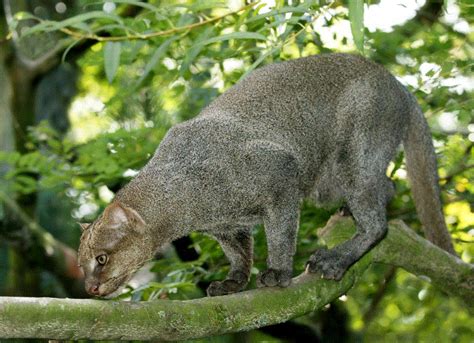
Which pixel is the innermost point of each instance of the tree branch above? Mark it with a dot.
(402, 247)
(176, 320)
(61, 259)
(379, 294)
(143, 36)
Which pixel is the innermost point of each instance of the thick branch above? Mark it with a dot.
(402, 247)
(167, 320)
(176, 320)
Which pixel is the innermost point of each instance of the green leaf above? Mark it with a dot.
(141, 4)
(83, 27)
(30, 160)
(69, 47)
(157, 55)
(25, 184)
(300, 9)
(194, 51)
(132, 2)
(201, 5)
(9, 157)
(356, 16)
(234, 35)
(113, 27)
(48, 25)
(25, 16)
(111, 59)
(260, 60)
(290, 21)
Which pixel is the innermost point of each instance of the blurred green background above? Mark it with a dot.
(89, 88)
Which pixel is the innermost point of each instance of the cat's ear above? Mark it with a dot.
(84, 226)
(118, 215)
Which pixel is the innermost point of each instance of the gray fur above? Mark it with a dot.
(322, 127)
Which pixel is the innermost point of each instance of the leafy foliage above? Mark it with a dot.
(170, 59)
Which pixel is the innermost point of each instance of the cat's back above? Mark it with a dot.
(308, 84)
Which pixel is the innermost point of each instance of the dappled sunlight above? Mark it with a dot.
(88, 119)
(386, 14)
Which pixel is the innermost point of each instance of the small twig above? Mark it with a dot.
(32, 225)
(62, 260)
(459, 240)
(412, 210)
(378, 296)
(463, 166)
(458, 171)
(144, 36)
(430, 113)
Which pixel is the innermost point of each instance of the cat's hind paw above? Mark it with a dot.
(328, 263)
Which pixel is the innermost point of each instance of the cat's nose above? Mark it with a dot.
(93, 290)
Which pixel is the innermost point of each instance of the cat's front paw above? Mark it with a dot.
(328, 263)
(274, 277)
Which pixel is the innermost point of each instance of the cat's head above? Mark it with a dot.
(112, 248)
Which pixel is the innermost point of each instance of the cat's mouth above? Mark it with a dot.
(113, 286)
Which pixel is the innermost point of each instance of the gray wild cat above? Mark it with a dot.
(323, 127)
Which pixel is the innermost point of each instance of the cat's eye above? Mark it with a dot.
(101, 259)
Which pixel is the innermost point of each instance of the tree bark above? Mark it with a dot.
(176, 320)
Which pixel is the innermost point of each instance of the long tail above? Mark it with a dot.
(423, 175)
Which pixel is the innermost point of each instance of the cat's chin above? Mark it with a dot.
(117, 290)
(113, 294)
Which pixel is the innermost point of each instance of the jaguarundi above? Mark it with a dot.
(323, 127)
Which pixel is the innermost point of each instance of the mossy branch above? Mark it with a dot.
(403, 247)
(176, 320)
